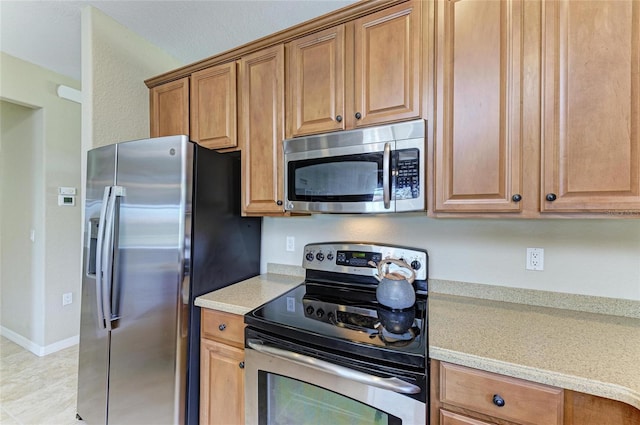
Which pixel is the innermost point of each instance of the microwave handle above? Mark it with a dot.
(393, 384)
(386, 184)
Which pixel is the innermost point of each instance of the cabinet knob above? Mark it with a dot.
(279, 202)
(241, 365)
(222, 327)
(551, 197)
(498, 401)
(339, 118)
(358, 115)
(516, 198)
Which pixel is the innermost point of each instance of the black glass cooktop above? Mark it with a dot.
(346, 319)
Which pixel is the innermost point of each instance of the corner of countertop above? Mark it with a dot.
(244, 296)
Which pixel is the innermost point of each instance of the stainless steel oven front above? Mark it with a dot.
(371, 170)
(287, 387)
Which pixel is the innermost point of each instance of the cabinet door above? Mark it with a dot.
(591, 106)
(478, 133)
(387, 65)
(262, 130)
(450, 418)
(169, 106)
(213, 107)
(315, 83)
(221, 383)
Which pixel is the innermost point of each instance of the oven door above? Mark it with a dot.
(283, 387)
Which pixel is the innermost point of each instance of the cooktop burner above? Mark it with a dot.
(336, 308)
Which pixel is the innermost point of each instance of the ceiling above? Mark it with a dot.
(47, 33)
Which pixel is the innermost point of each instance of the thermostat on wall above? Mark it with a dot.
(66, 200)
(67, 196)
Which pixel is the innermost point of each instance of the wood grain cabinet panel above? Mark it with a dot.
(169, 108)
(478, 142)
(387, 58)
(224, 327)
(450, 418)
(461, 395)
(213, 107)
(500, 396)
(591, 106)
(315, 83)
(261, 117)
(360, 73)
(221, 383)
(585, 409)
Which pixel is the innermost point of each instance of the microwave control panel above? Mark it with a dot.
(407, 174)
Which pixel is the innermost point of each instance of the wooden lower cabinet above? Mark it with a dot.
(221, 368)
(465, 396)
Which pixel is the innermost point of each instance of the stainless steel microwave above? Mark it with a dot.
(370, 170)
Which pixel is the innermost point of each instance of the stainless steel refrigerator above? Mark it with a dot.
(162, 226)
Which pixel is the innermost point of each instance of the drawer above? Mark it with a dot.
(223, 327)
(450, 418)
(524, 402)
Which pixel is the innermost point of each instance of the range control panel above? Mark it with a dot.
(353, 258)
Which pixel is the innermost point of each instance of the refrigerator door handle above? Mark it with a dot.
(99, 252)
(107, 255)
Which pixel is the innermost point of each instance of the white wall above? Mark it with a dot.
(21, 283)
(589, 257)
(115, 63)
(51, 129)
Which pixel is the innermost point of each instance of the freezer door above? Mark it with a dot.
(148, 305)
(94, 338)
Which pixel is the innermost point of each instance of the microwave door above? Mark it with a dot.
(346, 180)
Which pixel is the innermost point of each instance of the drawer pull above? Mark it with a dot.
(498, 401)
(222, 327)
(241, 365)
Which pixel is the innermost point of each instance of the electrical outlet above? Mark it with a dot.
(67, 298)
(535, 259)
(291, 243)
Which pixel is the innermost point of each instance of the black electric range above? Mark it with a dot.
(334, 313)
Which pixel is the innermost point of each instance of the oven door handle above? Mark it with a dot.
(393, 384)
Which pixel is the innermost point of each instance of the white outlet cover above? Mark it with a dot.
(535, 259)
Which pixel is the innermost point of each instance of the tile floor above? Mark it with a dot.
(37, 390)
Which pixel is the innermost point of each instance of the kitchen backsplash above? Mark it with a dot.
(582, 256)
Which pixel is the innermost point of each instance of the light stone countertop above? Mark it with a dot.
(244, 296)
(588, 352)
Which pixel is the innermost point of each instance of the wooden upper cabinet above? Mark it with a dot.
(261, 130)
(478, 109)
(315, 83)
(591, 106)
(213, 107)
(169, 105)
(387, 58)
(361, 73)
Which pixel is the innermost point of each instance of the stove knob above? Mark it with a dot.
(320, 313)
(331, 317)
(309, 256)
(309, 310)
(330, 256)
(320, 256)
(415, 265)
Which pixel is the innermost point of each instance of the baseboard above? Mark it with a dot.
(36, 349)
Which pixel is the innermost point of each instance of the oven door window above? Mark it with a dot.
(347, 178)
(285, 401)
